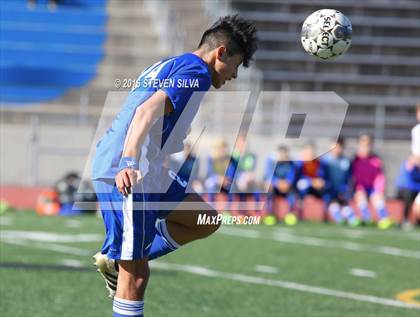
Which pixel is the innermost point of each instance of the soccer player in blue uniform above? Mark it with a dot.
(280, 178)
(218, 163)
(408, 185)
(339, 173)
(312, 178)
(128, 172)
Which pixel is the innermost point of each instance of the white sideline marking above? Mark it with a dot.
(73, 223)
(363, 273)
(282, 284)
(72, 262)
(320, 242)
(248, 233)
(50, 236)
(355, 234)
(266, 269)
(411, 235)
(49, 246)
(5, 221)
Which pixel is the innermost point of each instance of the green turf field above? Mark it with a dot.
(308, 270)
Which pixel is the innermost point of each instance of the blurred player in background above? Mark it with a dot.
(280, 178)
(217, 163)
(128, 171)
(408, 184)
(312, 179)
(369, 182)
(245, 182)
(408, 181)
(339, 173)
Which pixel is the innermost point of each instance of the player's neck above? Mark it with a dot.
(206, 57)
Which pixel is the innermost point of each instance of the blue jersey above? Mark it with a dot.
(409, 179)
(279, 170)
(339, 172)
(179, 77)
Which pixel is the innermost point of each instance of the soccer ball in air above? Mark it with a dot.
(326, 34)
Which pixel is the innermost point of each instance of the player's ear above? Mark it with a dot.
(221, 53)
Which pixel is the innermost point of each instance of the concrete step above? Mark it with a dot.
(122, 5)
(134, 49)
(123, 41)
(134, 22)
(120, 59)
(187, 5)
(127, 10)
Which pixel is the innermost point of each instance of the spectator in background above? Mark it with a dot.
(408, 184)
(245, 181)
(369, 182)
(70, 189)
(312, 177)
(279, 178)
(408, 181)
(339, 173)
(187, 165)
(217, 166)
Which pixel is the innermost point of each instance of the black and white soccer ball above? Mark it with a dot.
(326, 34)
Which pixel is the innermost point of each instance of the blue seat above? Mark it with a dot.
(84, 3)
(17, 94)
(50, 77)
(12, 34)
(45, 53)
(48, 58)
(79, 17)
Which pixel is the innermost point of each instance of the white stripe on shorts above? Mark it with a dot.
(128, 230)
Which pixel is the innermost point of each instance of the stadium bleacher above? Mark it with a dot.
(46, 52)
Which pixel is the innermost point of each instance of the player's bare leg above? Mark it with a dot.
(183, 225)
(378, 201)
(132, 279)
(361, 199)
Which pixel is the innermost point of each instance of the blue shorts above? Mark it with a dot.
(130, 221)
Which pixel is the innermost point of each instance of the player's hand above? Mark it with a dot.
(126, 179)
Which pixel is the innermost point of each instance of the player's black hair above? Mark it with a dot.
(237, 34)
(366, 134)
(310, 144)
(283, 148)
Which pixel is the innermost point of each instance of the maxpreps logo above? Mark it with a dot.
(322, 114)
(204, 219)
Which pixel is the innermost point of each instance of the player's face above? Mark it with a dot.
(282, 155)
(364, 146)
(308, 153)
(337, 149)
(225, 67)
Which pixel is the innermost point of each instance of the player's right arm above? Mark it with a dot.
(146, 114)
